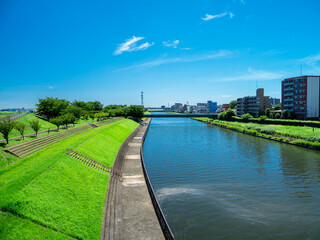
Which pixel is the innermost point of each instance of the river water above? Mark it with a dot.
(214, 183)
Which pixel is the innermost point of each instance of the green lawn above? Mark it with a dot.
(59, 192)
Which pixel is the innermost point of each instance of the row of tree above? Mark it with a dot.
(6, 126)
(52, 108)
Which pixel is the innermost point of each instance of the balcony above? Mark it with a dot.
(288, 94)
(288, 99)
(288, 105)
(288, 83)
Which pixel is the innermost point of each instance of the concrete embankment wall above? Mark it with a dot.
(131, 209)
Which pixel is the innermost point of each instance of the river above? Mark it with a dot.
(213, 183)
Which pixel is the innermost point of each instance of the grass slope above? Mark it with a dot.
(54, 190)
(13, 227)
(306, 136)
(27, 119)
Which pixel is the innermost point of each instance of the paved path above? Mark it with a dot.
(133, 215)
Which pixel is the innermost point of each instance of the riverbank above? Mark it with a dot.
(48, 194)
(129, 209)
(308, 137)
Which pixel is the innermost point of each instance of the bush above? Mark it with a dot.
(262, 118)
(246, 116)
(222, 116)
(229, 114)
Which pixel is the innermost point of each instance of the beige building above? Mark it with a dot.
(255, 105)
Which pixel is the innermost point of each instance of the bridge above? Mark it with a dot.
(188, 115)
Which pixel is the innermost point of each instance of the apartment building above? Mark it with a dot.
(211, 107)
(274, 101)
(253, 104)
(300, 95)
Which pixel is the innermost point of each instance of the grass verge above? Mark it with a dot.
(302, 136)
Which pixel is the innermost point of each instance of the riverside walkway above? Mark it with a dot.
(129, 211)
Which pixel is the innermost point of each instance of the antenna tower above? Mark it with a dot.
(141, 99)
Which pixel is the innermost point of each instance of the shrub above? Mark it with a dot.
(229, 114)
(222, 116)
(262, 118)
(246, 116)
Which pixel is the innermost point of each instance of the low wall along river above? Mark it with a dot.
(214, 183)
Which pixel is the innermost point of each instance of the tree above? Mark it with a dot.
(51, 107)
(267, 112)
(233, 104)
(68, 118)
(21, 127)
(57, 121)
(6, 126)
(76, 111)
(277, 107)
(277, 115)
(229, 114)
(96, 105)
(135, 111)
(222, 116)
(35, 125)
(284, 114)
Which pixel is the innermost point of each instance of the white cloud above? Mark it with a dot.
(186, 48)
(312, 61)
(255, 75)
(51, 87)
(209, 17)
(193, 58)
(169, 43)
(131, 45)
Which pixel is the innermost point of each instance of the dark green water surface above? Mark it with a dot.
(214, 183)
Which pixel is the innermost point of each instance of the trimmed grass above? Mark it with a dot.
(13, 227)
(59, 192)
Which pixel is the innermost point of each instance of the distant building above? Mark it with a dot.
(211, 107)
(253, 104)
(300, 95)
(201, 107)
(225, 107)
(177, 107)
(274, 101)
(192, 109)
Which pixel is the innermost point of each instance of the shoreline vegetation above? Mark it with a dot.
(303, 136)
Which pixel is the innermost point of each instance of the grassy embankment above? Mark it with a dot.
(49, 195)
(303, 136)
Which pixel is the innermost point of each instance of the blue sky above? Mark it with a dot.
(174, 51)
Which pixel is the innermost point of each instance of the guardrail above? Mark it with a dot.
(162, 220)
